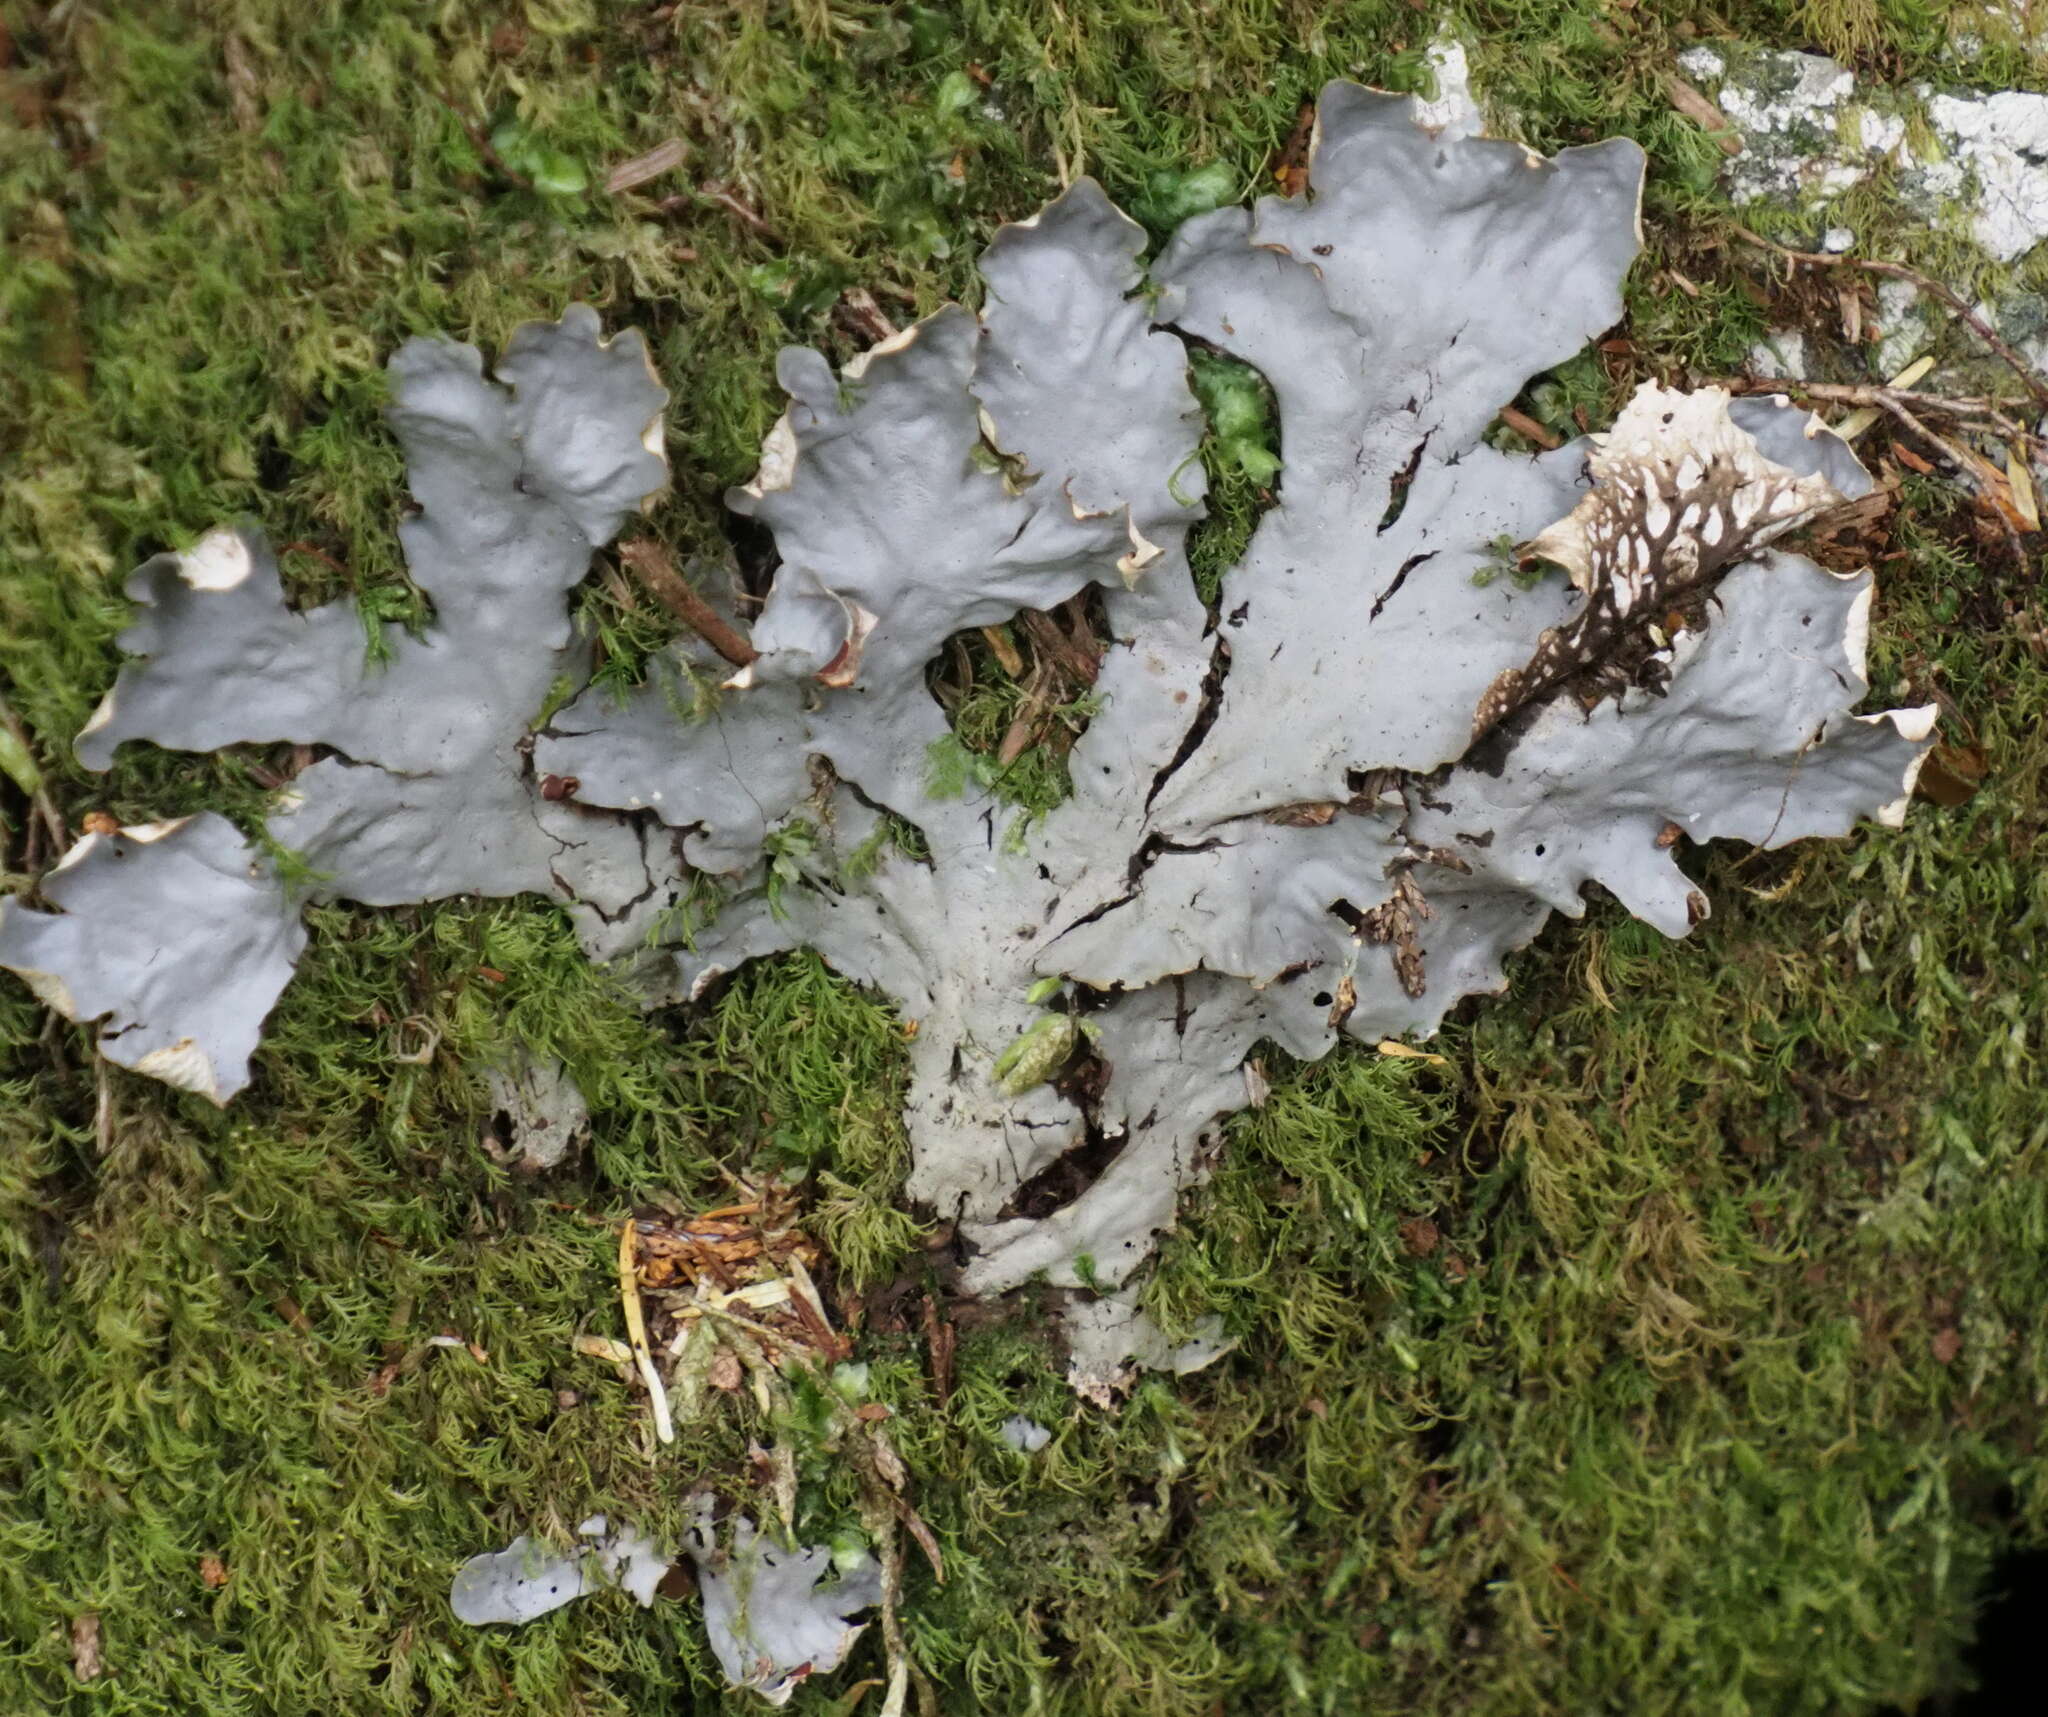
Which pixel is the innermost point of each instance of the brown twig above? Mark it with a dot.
(713, 192)
(650, 561)
(480, 140)
(1910, 410)
(2030, 378)
(1023, 730)
(1527, 427)
(940, 1337)
(1883, 398)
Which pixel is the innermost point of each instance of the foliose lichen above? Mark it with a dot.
(1331, 807)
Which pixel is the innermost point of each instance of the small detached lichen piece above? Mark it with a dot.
(1026, 1436)
(540, 1109)
(176, 936)
(528, 1579)
(1111, 1340)
(777, 1617)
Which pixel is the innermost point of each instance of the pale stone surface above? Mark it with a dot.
(1809, 134)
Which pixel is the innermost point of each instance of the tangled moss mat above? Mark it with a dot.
(1676, 1345)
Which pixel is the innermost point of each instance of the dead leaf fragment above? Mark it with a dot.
(1408, 1052)
(1290, 170)
(241, 84)
(662, 158)
(2020, 482)
(859, 311)
(1951, 775)
(1419, 1236)
(1004, 649)
(636, 1333)
(1317, 814)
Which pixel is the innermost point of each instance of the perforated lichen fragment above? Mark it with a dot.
(777, 1617)
(1749, 738)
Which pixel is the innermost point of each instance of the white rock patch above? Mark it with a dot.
(1454, 113)
(1809, 134)
(1779, 354)
(1998, 145)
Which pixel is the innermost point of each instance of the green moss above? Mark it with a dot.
(1675, 1347)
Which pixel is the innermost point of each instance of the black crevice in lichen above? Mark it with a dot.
(1205, 718)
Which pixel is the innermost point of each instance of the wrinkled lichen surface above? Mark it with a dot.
(1332, 806)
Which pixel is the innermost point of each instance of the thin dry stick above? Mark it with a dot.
(1906, 408)
(39, 796)
(651, 562)
(1970, 468)
(748, 218)
(2029, 377)
(1884, 398)
(103, 1112)
(1525, 425)
(636, 1333)
(1910, 410)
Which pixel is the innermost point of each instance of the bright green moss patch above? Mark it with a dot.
(1675, 1346)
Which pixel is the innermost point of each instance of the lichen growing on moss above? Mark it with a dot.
(1681, 1331)
(1248, 853)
